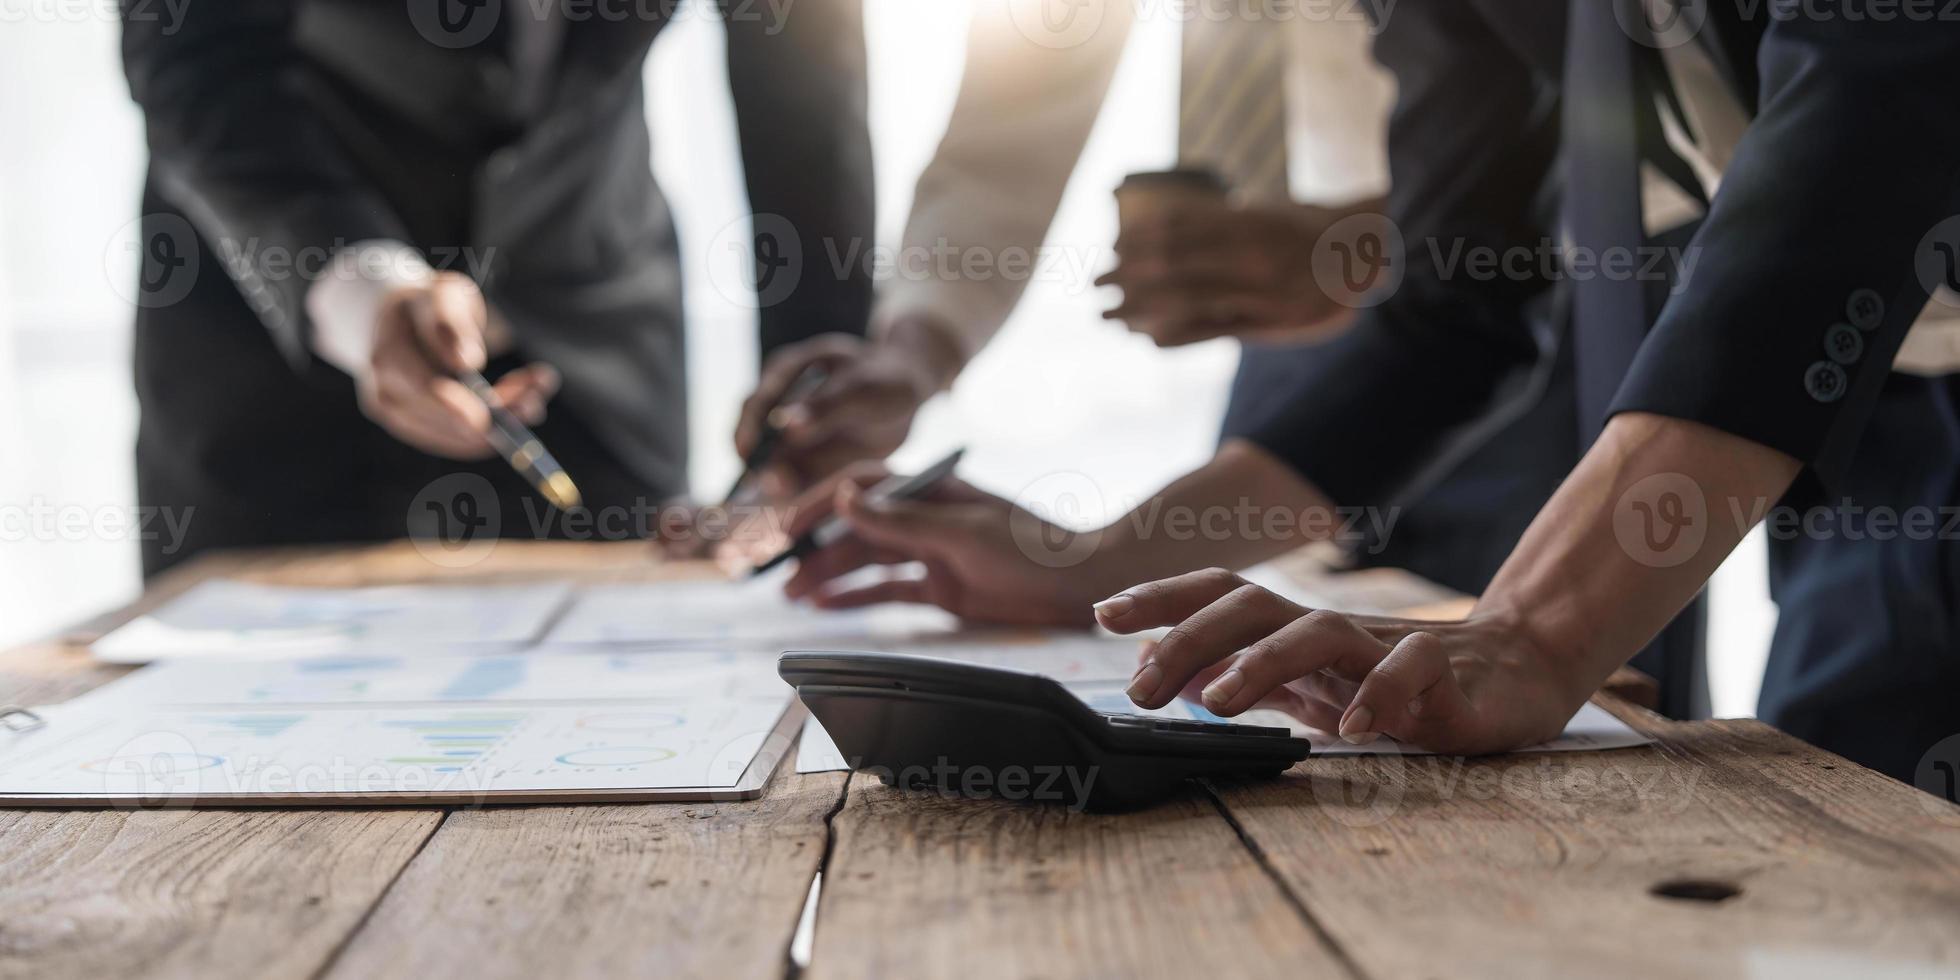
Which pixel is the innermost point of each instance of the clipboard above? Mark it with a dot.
(16, 721)
(409, 730)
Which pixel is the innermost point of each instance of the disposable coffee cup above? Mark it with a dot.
(1146, 196)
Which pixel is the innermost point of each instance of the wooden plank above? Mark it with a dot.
(192, 893)
(673, 891)
(1727, 848)
(919, 885)
(215, 892)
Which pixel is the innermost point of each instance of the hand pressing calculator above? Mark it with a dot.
(919, 722)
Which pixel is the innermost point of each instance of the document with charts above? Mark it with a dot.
(381, 729)
(232, 619)
(753, 615)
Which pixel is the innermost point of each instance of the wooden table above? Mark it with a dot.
(1728, 848)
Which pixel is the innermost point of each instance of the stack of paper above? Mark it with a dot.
(224, 618)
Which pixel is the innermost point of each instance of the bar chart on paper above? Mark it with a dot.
(370, 727)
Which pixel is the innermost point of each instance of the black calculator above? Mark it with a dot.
(969, 730)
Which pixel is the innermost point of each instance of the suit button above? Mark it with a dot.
(1844, 344)
(1826, 382)
(502, 165)
(1865, 309)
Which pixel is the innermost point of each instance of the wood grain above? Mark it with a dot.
(1378, 867)
(920, 885)
(1559, 866)
(680, 890)
(192, 893)
(215, 892)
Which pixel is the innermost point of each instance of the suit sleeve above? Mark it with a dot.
(1804, 280)
(1036, 74)
(799, 87)
(1472, 140)
(235, 145)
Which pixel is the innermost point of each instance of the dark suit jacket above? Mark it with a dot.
(1853, 157)
(288, 127)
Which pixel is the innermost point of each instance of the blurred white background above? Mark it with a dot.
(1059, 392)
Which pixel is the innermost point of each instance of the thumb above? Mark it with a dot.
(448, 318)
(1411, 694)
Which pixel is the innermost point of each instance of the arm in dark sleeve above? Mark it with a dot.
(1471, 142)
(234, 143)
(1853, 159)
(799, 88)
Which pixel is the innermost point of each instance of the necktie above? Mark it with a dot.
(1602, 198)
(536, 35)
(1232, 100)
(1606, 112)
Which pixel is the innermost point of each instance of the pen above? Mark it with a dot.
(516, 443)
(890, 488)
(805, 385)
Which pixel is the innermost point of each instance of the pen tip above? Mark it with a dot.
(561, 491)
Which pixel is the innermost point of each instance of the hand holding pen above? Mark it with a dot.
(890, 489)
(406, 351)
(781, 413)
(862, 411)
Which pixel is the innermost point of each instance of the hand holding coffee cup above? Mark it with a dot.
(1195, 266)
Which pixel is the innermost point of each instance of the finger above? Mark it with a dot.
(827, 564)
(1320, 686)
(1165, 602)
(445, 416)
(778, 375)
(410, 429)
(1201, 303)
(1185, 267)
(1311, 712)
(526, 391)
(1410, 693)
(449, 327)
(415, 429)
(819, 503)
(1298, 703)
(1201, 225)
(1168, 333)
(840, 408)
(1320, 640)
(1325, 686)
(1208, 636)
(917, 528)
